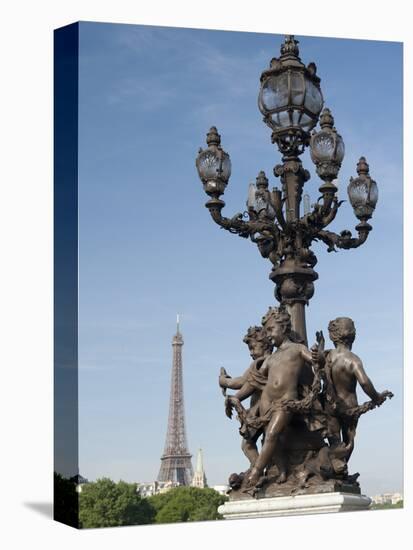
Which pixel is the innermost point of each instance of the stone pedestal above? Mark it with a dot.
(318, 503)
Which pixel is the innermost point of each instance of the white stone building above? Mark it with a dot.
(387, 498)
(221, 489)
(148, 489)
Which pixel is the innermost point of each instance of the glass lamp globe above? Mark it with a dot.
(327, 145)
(363, 192)
(213, 165)
(290, 96)
(327, 148)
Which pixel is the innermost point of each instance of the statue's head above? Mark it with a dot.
(342, 331)
(258, 342)
(235, 481)
(277, 323)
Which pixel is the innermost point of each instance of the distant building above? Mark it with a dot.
(221, 489)
(199, 479)
(151, 488)
(387, 498)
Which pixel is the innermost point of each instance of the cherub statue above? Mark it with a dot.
(249, 384)
(287, 370)
(343, 369)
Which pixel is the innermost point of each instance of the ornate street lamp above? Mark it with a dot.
(307, 419)
(291, 100)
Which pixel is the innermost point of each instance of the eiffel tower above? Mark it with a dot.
(176, 463)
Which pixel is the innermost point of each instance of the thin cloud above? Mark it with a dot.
(150, 96)
(229, 72)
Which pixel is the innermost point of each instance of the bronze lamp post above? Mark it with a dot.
(291, 101)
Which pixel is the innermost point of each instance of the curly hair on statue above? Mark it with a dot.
(279, 315)
(342, 330)
(258, 334)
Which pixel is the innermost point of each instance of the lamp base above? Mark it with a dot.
(319, 503)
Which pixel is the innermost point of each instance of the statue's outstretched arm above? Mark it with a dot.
(233, 383)
(236, 383)
(364, 380)
(246, 391)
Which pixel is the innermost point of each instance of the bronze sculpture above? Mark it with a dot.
(304, 401)
(344, 369)
(250, 384)
(306, 392)
(286, 370)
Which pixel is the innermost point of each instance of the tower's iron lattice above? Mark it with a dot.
(176, 463)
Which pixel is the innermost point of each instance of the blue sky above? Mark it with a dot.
(148, 250)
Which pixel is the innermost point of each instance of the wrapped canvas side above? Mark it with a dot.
(66, 459)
